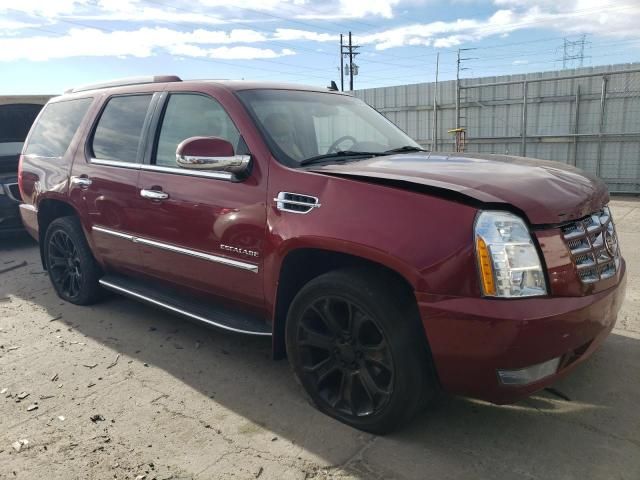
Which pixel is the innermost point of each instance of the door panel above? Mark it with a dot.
(106, 179)
(111, 205)
(208, 233)
(217, 227)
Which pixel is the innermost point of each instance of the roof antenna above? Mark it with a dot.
(333, 87)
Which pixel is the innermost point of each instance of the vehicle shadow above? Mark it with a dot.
(594, 435)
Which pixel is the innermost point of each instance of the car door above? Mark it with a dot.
(201, 230)
(105, 178)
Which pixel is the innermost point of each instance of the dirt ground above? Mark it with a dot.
(127, 391)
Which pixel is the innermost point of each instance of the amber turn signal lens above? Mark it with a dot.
(486, 271)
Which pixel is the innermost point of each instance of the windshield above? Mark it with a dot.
(301, 125)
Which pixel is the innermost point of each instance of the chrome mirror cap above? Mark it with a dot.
(237, 164)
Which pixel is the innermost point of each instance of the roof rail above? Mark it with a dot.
(126, 81)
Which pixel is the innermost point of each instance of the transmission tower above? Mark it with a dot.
(573, 52)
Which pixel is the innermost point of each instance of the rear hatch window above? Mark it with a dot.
(54, 130)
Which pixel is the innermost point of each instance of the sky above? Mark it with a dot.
(47, 46)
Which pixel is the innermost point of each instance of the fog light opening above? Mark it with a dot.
(527, 375)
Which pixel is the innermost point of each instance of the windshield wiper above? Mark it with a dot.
(337, 155)
(406, 148)
(354, 154)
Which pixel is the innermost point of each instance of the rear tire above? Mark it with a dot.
(356, 345)
(72, 269)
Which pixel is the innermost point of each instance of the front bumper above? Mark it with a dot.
(472, 338)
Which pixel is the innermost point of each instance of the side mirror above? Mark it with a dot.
(211, 153)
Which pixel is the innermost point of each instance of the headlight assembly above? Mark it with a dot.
(508, 262)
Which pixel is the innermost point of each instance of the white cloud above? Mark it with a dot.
(202, 11)
(580, 16)
(292, 34)
(10, 26)
(137, 40)
(343, 9)
(144, 42)
(47, 8)
(247, 53)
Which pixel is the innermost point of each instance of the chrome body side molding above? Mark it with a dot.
(159, 168)
(176, 249)
(113, 233)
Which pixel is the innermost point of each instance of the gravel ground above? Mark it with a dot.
(121, 390)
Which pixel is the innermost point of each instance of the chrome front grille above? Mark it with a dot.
(593, 244)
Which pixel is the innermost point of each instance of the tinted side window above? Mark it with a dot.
(53, 132)
(191, 115)
(117, 136)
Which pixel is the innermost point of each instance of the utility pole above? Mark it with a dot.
(458, 90)
(351, 67)
(341, 65)
(350, 51)
(434, 143)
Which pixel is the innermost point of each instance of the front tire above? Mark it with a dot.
(355, 344)
(72, 269)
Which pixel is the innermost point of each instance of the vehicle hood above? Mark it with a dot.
(546, 192)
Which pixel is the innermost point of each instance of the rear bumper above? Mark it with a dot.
(29, 216)
(472, 338)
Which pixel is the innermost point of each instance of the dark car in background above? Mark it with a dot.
(15, 121)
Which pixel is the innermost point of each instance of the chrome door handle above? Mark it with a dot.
(82, 182)
(154, 194)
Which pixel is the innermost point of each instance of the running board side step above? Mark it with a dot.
(194, 309)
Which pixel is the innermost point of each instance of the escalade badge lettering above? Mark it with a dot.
(242, 251)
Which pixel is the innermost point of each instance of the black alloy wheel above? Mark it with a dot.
(345, 356)
(64, 264)
(356, 345)
(72, 269)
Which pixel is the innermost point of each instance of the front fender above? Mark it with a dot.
(426, 239)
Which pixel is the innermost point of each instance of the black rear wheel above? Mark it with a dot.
(72, 269)
(355, 346)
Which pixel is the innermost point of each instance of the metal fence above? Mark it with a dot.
(587, 117)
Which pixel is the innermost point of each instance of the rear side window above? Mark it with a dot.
(119, 130)
(52, 134)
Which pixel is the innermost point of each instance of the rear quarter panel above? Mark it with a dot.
(44, 178)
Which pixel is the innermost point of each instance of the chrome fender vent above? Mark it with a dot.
(296, 202)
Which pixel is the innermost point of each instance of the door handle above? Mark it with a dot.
(154, 194)
(82, 182)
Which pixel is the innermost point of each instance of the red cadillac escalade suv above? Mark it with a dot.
(382, 271)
